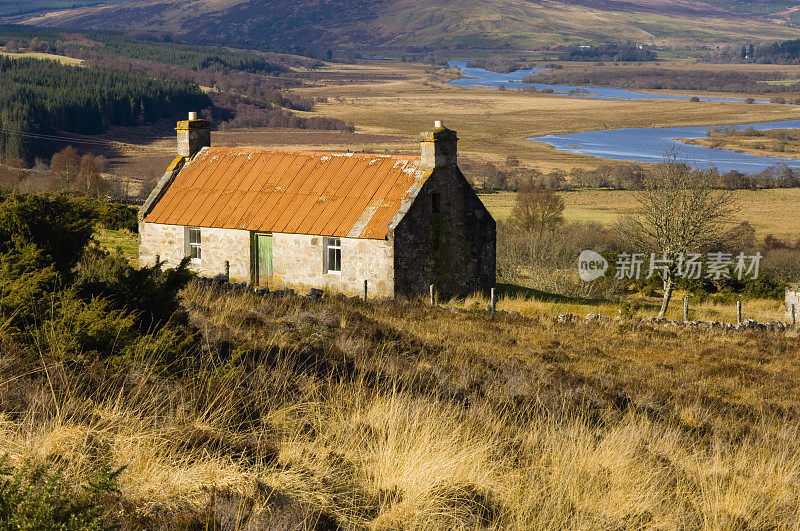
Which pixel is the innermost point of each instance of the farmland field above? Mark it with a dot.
(772, 211)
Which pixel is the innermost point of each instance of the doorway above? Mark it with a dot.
(262, 258)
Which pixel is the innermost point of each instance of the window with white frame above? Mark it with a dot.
(194, 245)
(333, 255)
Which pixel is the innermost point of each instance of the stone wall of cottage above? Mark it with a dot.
(297, 259)
(465, 259)
(218, 246)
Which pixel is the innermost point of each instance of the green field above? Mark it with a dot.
(120, 240)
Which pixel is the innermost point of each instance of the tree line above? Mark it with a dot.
(246, 86)
(513, 176)
(45, 97)
(646, 78)
(607, 52)
(781, 52)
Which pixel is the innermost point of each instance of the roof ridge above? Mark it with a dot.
(359, 154)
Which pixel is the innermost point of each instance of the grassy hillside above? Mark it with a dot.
(412, 24)
(188, 406)
(315, 415)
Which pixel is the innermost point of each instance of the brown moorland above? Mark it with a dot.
(337, 413)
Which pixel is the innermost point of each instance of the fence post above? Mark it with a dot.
(365, 290)
(227, 271)
(494, 301)
(433, 298)
(686, 308)
(794, 317)
(738, 312)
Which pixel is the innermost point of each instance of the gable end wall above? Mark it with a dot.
(465, 261)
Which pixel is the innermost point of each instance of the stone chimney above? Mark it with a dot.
(439, 147)
(193, 135)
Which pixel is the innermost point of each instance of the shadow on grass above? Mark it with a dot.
(514, 290)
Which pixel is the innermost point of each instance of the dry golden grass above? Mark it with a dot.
(387, 416)
(762, 310)
(770, 211)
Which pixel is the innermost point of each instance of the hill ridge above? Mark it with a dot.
(407, 24)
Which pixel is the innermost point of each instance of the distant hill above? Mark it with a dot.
(456, 24)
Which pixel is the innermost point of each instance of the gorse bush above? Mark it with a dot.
(150, 292)
(26, 277)
(36, 497)
(60, 227)
(116, 216)
(61, 293)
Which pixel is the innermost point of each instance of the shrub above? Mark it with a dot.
(151, 293)
(75, 325)
(114, 216)
(36, 497)
(537, 209)
(26, 276)
(57, 224)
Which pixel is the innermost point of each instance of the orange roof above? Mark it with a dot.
(352, 195)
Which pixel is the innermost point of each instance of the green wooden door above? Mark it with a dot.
(264, 258)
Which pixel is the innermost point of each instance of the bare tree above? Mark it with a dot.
(89, 180)
(64, 168)
(679, 212)
(537, 209)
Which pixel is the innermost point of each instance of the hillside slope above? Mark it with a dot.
(436, 23)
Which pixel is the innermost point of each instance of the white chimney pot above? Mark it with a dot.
(193, 115)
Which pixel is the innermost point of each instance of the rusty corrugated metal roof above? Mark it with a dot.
(354, 195)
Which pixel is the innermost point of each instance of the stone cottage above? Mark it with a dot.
(318, 219)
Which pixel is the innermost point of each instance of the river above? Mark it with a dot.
(648, 144)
